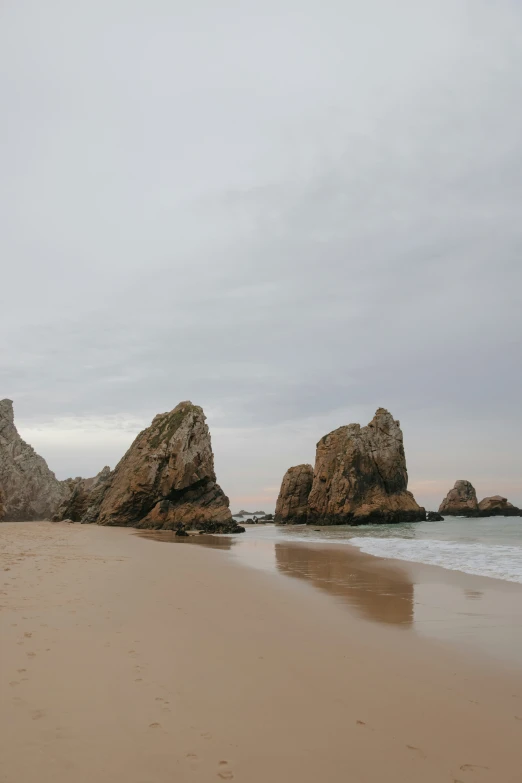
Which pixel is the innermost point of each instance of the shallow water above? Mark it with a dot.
(485, 547)
(440, 603)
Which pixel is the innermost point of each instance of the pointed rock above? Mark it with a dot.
(360, 476)
(460, 501)
(167, 480)
(31, 490)
(292, 503)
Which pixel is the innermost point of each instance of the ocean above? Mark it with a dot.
(490, 546)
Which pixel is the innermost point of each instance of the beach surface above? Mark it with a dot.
(126, 659)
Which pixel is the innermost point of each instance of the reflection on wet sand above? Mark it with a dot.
(382, 594)
(436, 603)
(377, 592)
(214, 542)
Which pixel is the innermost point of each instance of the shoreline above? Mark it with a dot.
(477, 615)
(126, 660)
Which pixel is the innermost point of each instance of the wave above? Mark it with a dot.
(493, 560)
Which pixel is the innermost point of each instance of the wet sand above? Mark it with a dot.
(123, 659)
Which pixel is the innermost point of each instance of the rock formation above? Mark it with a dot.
(496, 505)
(434, 516)
(166, 480)
(460, 501)
(85, 499)
(292, 503)
(2, 507)
(360, 476)
(31, 490)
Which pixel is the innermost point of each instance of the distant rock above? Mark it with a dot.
(292, 503)
(31, 490)
(85, 499)
(496, 505)
(2, 506)
(433, 516)
(244, 513)
(360, 476)
(166, 480)
(460, 501)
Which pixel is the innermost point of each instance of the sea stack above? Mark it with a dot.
(166, 480)
(496, 505)
(31, 490)
(292, 503)
(360, 476)
(461, 500)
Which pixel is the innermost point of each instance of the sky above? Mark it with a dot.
(290, 212)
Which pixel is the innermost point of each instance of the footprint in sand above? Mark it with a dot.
(13, 683)
(27, 635)
(154, 725)
(38, 714)
(31, 655)
(207, 735)
(225, 774)
(360, 723)
(193, 761)
(471, 767)
(21, 671)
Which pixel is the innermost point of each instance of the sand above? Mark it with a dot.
(125, 659)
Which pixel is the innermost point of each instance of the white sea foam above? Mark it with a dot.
(493, 560)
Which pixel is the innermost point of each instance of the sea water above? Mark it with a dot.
(490, 546)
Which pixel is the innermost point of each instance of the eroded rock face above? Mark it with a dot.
(460, 501)
(166, 480)
(496, 505)
(85, 499)
(292, 503)
(2, 506)
(31, 490)
(360, 476)
(434, 516)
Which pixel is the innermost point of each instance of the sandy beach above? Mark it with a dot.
(124, 659)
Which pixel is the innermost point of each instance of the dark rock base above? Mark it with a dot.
(375, 518)
(501, 512)
(299, 519)
(497, 512)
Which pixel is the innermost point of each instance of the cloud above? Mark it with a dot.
(290, 217)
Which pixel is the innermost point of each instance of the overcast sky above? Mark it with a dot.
(290, 212)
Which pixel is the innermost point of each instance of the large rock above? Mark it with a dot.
(360, 476)
(292, 503)
(460, 501)
(166, 480)
(496, 505)
(31, 490)
(2, 506)
(85, 499)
